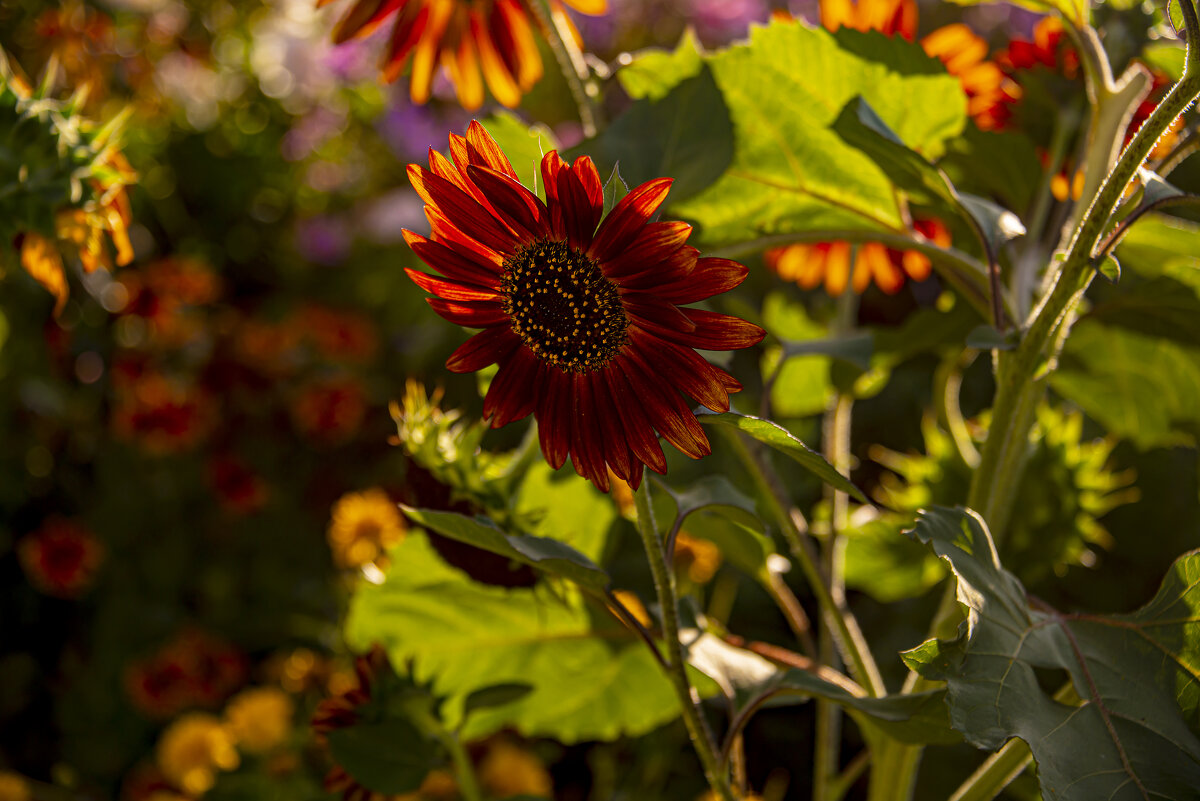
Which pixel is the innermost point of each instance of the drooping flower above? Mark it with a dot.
(193, 749)
(584, 316)
(475, 41)
(260, 718)
(363, 526)
(830, 262)
(61, 558)
(990, 93)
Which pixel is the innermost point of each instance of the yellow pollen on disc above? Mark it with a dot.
(563, 307)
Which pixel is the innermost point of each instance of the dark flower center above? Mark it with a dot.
(563, 307)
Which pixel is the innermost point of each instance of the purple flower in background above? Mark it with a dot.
(355, 60)
(410, 130)
(324, 239)
(722, 20)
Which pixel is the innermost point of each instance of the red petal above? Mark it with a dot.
(665, 407)
(448, 289)
(616, 449)
(554, 410)
(685, 369)
(363, 17)
(653, 314)
(472, 314)
(514, 391)
(484, 150)
(655, 242)
(461, 208)
(625, 221)
(552, 167)
(487, 347)
(449, 234)
(520, 207)
(639, 432)
(586, 449)
(451, 263)
(709, 277)
(405, 34)
(715, 332)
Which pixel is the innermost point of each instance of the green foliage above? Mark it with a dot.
(591, 679)
(1130, 736)
(789, 171)
(391, 756)
(524, 145)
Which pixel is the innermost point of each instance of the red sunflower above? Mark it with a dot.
(476, 41)
(583, 315)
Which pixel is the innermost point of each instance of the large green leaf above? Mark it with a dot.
(592, 679)
(545, 554)
(1133, 735)
(790, 171)
(564, 507)
(685, 134)
(779, 438)
(1143, 388)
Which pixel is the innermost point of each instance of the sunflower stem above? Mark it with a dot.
(1021, 373)
(668, 601)
(571, 62)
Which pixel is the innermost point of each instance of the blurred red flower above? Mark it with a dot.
(61, 558)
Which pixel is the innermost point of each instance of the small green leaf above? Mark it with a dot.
(1166, 57)
(495, 695)
(1155, 188)
(779, 438)
(1110, 268)
(614, 190)
(545, 554)
(996, 224)
(390, 757)
(986, 337)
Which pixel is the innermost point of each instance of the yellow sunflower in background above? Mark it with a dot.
(193, 749)
(475, 41)
(363, 526)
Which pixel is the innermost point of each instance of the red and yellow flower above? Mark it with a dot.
(362, 526)
(61, 558)
(584, 315)
(475, 41)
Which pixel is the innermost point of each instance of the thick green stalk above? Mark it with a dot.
(668, 601)
(1021, 374)
(996, 773)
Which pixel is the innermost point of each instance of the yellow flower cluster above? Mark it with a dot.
(260, 719)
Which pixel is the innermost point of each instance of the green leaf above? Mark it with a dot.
(390, 757)
(653, 72)
(1110, 269)
(779, 438)
(1143, 388)
(1135, 673)
(592, 679)
(495, 695)
(523, 144)
(685, 134)
(1166, 57)
(1001, 164)
(545, 554)
(615, 190)
(995, 223)
(789, 171)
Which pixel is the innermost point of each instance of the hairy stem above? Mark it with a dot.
(570, 60)
(668, 601)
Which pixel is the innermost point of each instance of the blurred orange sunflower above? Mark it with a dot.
(830, 262)
(584, 315)
(475, 41)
